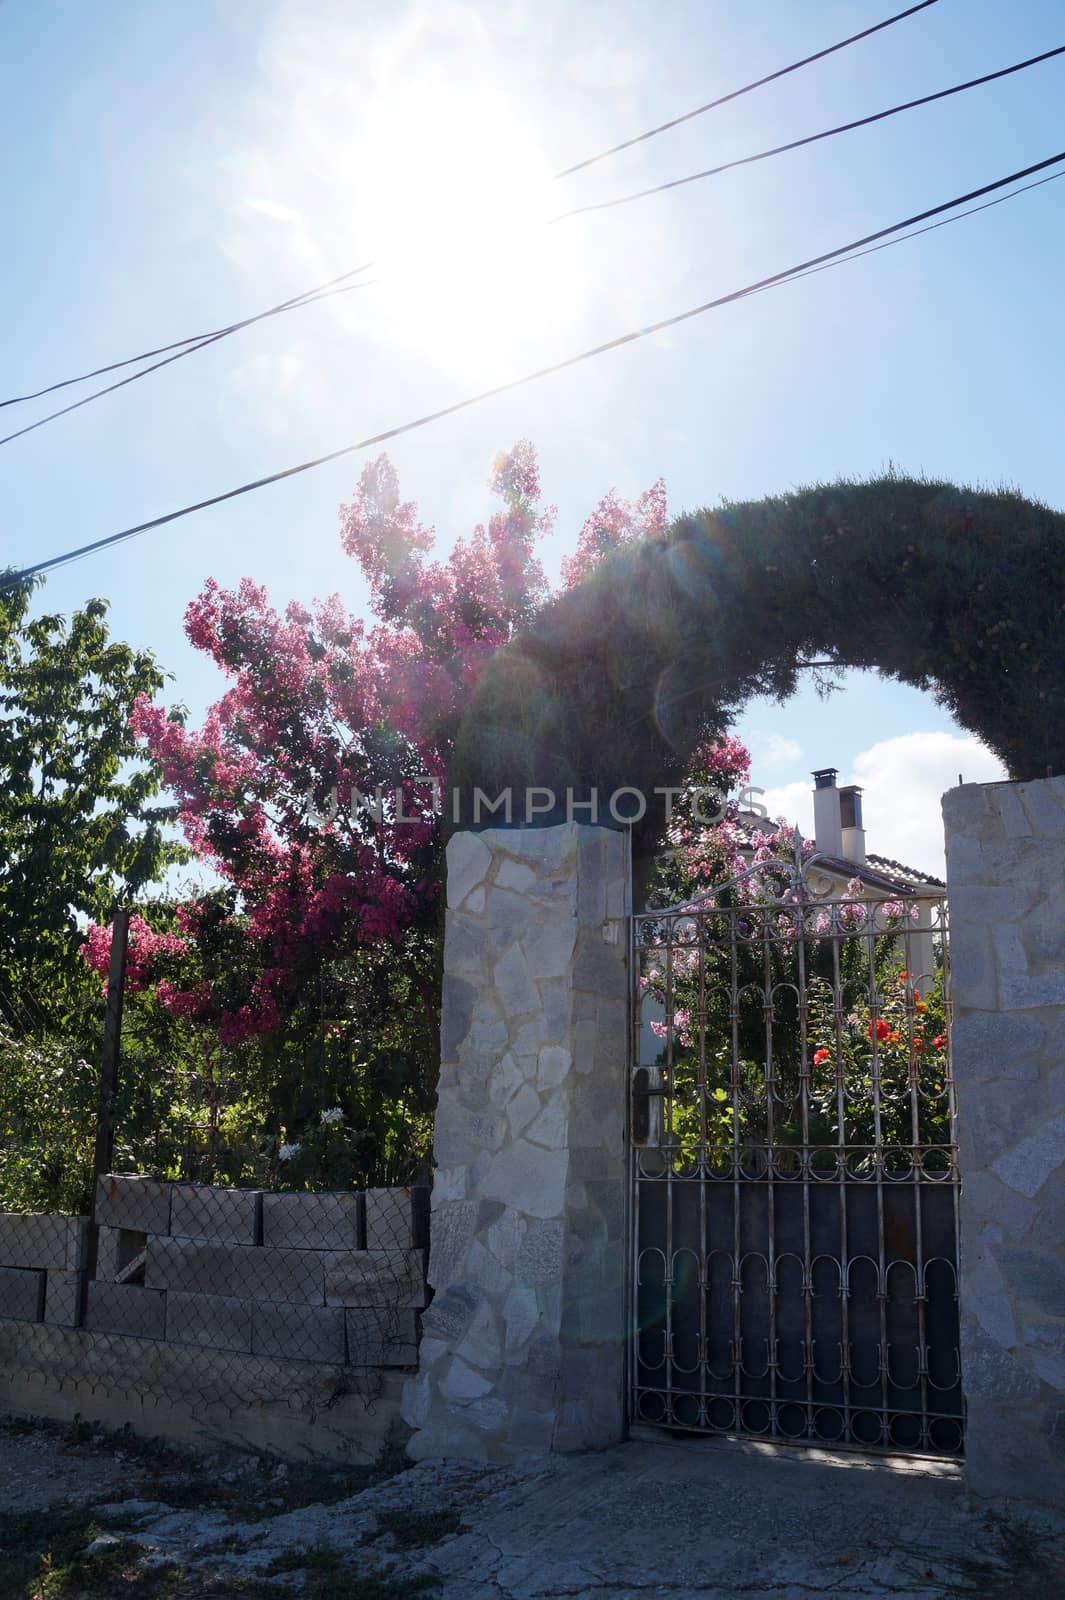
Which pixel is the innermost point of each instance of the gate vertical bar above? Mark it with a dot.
(872, 1126)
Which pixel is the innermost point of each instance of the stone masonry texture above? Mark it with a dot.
(523, 1344)
(1006, 881)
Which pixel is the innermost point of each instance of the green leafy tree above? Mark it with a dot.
(81, 831)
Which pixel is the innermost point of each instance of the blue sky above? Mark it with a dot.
(179, 166)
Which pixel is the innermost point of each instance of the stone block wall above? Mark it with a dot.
(524, 1347)
(210, 1302)
(1006, 884)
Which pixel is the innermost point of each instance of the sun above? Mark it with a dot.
(420, 144)
(456, 192)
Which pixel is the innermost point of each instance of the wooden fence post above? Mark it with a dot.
(103, 1153)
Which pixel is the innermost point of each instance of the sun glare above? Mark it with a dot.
(417, 144)
(455, 192)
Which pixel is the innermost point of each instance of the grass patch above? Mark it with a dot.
(33, 1543)
(413, 1530)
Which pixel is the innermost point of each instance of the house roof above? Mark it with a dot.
(903, 873)
(879, 872)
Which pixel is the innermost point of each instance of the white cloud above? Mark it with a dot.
(774, 750)
(792, 802)
(902, 782)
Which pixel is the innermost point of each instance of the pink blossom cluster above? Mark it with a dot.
(614, 524)
(321, 704)
(143, 950)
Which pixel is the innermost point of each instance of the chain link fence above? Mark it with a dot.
(216, 1298)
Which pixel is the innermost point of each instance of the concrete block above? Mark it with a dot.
(21, 1294)
(397, 1219)
(38, 1240)
(314, 1221)
(297, 1333)
(251, 1272)
(77, 1232)
(200, 1211)
(127, 1309)
(129, 1202)
(375, 1278)
(380, 1338)
(62, 1298)
(213, 1321)
(116, 1248)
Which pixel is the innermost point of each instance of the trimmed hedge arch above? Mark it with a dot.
(950, 589)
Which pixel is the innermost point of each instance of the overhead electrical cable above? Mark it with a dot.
(198, 340)
(811, 138)
(931, 227)
(723, 100)
(309, 299)
(801, 269)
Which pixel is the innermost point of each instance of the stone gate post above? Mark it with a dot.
(1006, 884)
(524, 1343)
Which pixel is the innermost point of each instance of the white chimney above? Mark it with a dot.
(850, 814)
(828, 829)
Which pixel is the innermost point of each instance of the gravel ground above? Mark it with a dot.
(42, 1466)
(88, 1517)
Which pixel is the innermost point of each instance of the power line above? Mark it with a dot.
(812, 138)
(337, 286)
(711, 105)
(801, 269)
(971, 211)
(306, 298)
(198, 340)
(311, 298)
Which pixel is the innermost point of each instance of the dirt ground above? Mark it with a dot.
(90, 1516)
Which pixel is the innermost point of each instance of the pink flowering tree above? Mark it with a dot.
(309, 793)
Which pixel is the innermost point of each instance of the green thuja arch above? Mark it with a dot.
(958, 591)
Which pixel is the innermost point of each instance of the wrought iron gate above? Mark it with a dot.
(795, 1174)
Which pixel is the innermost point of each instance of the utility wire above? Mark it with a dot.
(198, 340)
(341, 286)
(311, 298)
(327, 290)
(931, 227)
(811, 138)
(711, 105)
(802, 268)
(306, 298)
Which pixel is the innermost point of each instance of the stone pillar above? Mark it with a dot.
(1006, 881)
(523, 1349)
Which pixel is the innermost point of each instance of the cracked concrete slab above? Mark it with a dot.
(703, 1519)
